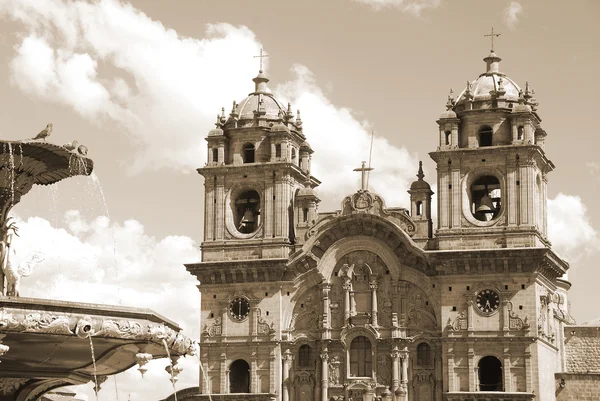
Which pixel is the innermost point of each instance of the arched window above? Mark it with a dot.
(520, 132)
(419, 207)
(448, 133)
(490, 374)
(248, 153)
(293, 155)
(305, 215)
(485, 136)
(423, 354)
(304, 356)
(239, 377)
(278, 151)
(360, 357)
(215, 155)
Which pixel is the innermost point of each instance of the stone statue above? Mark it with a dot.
(11, 272)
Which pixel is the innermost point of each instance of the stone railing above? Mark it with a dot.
(487, 396)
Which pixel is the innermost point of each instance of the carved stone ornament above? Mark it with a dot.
(334, 370)
(516, 323)
(215, 329)
(460, 323)
(23, 321)
(361, 201)
(10, 386)
(264, 327)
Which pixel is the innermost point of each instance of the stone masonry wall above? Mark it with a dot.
(577, 387)
(582, 349)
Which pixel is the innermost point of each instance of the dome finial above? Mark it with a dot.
(420, 174)
(450, 102)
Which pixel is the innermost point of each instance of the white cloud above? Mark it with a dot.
(162, 86)
(414, 7)
(594, 169)
(569, 228)
(341, 142)
(98, 262)
(512, 13)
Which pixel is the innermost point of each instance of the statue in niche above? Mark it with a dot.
(334, 370)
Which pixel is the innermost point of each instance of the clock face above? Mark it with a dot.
(488, 301)
(239, 308)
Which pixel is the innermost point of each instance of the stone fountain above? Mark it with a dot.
(46, 344)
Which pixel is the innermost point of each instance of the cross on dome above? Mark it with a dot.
(492, 35)
(363, 181)
(261, 56)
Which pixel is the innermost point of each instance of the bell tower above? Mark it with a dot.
(258, 158)
(491, 166)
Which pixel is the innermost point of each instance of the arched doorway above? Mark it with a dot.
(239, 377)
(490, 374)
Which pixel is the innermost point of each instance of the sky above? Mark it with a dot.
(140, 84)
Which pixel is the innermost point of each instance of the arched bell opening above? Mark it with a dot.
(490, 374)
(486, 197)
(239, 377)
(247, 212)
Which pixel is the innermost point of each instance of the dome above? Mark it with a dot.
(259, 103)
(489, 82)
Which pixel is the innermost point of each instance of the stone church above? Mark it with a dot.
(375, 301)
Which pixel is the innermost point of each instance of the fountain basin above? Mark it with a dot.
(49, 344)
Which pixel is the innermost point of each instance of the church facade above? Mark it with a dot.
(370, 302)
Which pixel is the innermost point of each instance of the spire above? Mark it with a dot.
(420, 174)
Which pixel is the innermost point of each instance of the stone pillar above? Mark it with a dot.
(254, 320)
(373, 286)
(326, 318)
(506, 368)
(346, 286)
(528, 370)
(451, 374)
(471, 365)
(285, 378)
(254, 384)
(221, 153)
(404, 383)
(470, 313)
(273, 151)
(395, 369)
(324, 373)
(224, 375)
(505, 319)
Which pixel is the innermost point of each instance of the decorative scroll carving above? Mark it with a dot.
(516, 323)
(460, 323)
(215, 329)
(9, 386)
(263, 326)
(304, 377)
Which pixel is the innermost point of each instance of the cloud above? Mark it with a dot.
(569, 228)
(109, 61)
(414, 7)
(594, 169)
(341, 141)
(512, 13)
(98, 262)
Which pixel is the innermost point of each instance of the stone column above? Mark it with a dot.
(326, 318)
(373, 286)
(224, 374)
(528, 370)
(470, 314)
(471, 365)
(254, 385)
(404, 383)
(285, 378)
(395, 370)
(505, 319)
(506, 368)
(451, 374)
(254, 319)
(346, 286)
(324, 373)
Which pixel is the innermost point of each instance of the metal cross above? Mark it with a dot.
(492, 37)
(363, 170)
(261, 58)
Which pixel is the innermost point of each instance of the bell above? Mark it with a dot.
(486, 205)
(248, 216)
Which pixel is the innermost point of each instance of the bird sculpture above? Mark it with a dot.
(44, 133)
(82, 149)
(71, 145)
